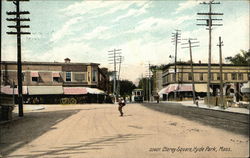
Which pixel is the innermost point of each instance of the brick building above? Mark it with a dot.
(56, 77)
(234, 76)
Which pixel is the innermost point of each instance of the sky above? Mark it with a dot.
(85, 31)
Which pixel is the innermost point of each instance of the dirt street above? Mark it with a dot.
(97, 131)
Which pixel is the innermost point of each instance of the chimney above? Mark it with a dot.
(67, 60)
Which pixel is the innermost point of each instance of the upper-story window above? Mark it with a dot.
(201, 77)
(189, 76)
(94, 76)
(56, 76)
(80, 77)
(218, 76)
(240, 76)
(68, 76)
(225, 76)
(34, 77)
(234, 76)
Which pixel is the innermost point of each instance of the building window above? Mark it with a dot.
(56, 79)
(240, 76)
(94, 76)
(34, 79)
(212, 76)
(248, 76)
(190, 76)
(173, 77)
(225, 76)
(68, 76)
(80, 77)
(234, 76)
(201, 76)
(218, 76)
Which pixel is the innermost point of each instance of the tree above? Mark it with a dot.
(126, 87)
(242, 58)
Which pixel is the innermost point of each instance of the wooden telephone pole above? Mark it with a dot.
(18, 33)
(209, 24)
(191, 63)
(113, 58)
(221, 79)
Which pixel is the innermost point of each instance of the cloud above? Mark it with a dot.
(96, 7)
(133, 12)
(186, 5)
(65, 29)
(152, 24)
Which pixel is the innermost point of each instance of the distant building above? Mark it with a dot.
(157, 81)
(180, 82)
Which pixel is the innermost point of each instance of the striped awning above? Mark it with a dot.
(9, 90)
(34, 74)
(184, 88)
(55, 74)
(75, 90)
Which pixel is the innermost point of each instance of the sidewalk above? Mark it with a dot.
(202, 105)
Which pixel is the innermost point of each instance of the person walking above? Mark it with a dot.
(121, 104)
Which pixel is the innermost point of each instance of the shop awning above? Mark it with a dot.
(55, 74)
(75, 90)
(201, 88)
(246, 87)
(34, 74)
(9, 90)
(183, 88)
(95, 91)
(44, 90)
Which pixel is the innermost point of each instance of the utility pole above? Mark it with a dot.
(209, 23)
(120, 59)
(1, 56)
(113, 57)
(149, 83)
(18, 32)
(191, 63)
(221, 79)
(175, 39)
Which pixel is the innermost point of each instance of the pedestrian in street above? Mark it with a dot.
(157, 98)
(121, 104)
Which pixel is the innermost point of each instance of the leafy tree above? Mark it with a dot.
(242, 58)
(126, 87)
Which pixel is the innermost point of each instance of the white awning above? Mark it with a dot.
(184, 88)
(95, 91)
(246, 87)
(37, 90)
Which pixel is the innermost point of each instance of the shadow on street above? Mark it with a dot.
(17, 133)
(233, 122)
